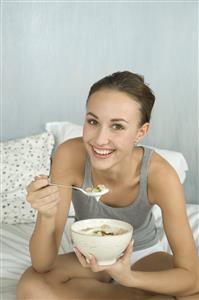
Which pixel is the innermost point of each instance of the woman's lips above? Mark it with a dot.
(102, 152)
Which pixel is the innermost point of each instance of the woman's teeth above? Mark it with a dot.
(102, 152)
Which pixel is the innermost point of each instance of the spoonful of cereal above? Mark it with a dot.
(96, 192)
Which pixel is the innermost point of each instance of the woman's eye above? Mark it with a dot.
(92, 122)
(117, 126)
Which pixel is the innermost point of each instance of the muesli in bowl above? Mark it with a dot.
(106, 239)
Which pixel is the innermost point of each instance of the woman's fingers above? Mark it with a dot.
(38, 183)
(88, 262)
(42, 193)
(94, 265)
(123, 260)
(43, 197)
(82, 259)
(126, 257)
(128, 251)
(52, 198)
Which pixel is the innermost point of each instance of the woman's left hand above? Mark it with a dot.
(120, 271)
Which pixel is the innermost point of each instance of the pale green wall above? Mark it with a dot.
(53, 51)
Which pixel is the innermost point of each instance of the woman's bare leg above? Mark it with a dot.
(40, 288)
(69, 280)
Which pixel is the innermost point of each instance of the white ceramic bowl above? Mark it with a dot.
(107, 248)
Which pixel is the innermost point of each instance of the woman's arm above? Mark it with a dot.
(167, 192)
(53, 205)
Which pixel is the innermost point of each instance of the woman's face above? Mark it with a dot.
(110, 128)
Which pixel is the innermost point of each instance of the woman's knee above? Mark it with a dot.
(30, 285)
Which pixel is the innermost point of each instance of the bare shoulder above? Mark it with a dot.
(162, 180)
(69, 159)
(72, 149)
(161, 166)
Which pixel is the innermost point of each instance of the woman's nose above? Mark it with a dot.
(102, 137)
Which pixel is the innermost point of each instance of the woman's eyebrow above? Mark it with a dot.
(91, 114)
(119, 120)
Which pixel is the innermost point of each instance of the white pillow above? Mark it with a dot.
(22, 160)
(65, 130)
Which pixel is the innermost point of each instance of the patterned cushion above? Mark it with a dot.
(22, 160)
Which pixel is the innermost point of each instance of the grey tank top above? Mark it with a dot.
(138, 214)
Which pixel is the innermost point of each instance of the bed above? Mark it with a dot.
(30, 156)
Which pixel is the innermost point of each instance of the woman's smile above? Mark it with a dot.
(102, 153)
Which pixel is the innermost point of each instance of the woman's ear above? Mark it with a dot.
(142, 132)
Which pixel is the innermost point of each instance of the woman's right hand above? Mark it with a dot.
(43, 197)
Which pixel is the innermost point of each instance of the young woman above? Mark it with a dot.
(117, 118)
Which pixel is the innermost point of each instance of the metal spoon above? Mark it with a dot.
(97, 195)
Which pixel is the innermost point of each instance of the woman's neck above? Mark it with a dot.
(128, 168)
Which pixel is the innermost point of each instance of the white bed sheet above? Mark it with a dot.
(14, 255)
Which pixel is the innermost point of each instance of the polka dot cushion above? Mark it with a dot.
(21, 161)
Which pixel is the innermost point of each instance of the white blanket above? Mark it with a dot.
(14, 256)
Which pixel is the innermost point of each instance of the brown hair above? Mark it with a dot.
(131, 84)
